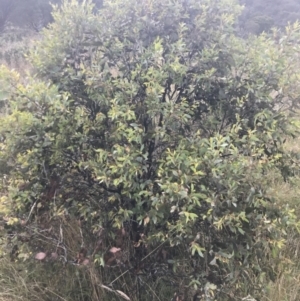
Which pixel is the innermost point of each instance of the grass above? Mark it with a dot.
(14, 43)
(287, 285)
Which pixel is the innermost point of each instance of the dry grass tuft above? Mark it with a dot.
(287, 285)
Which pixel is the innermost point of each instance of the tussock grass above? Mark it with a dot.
(287, 285)
(14, 44)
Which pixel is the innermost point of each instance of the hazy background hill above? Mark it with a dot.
(258, 15)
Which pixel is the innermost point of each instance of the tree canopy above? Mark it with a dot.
(152, 125)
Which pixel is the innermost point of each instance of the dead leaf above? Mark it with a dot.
(23, 222)
(146, 220)
(40, 256)
(54, 255)
(85, 261)
(109, 260)
(114, 250)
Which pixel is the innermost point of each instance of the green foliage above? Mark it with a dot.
(152, 117)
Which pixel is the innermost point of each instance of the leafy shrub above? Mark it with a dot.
(153, 126)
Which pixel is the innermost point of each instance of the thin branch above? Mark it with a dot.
(32, 207)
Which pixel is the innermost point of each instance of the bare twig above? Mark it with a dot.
(32, 207)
